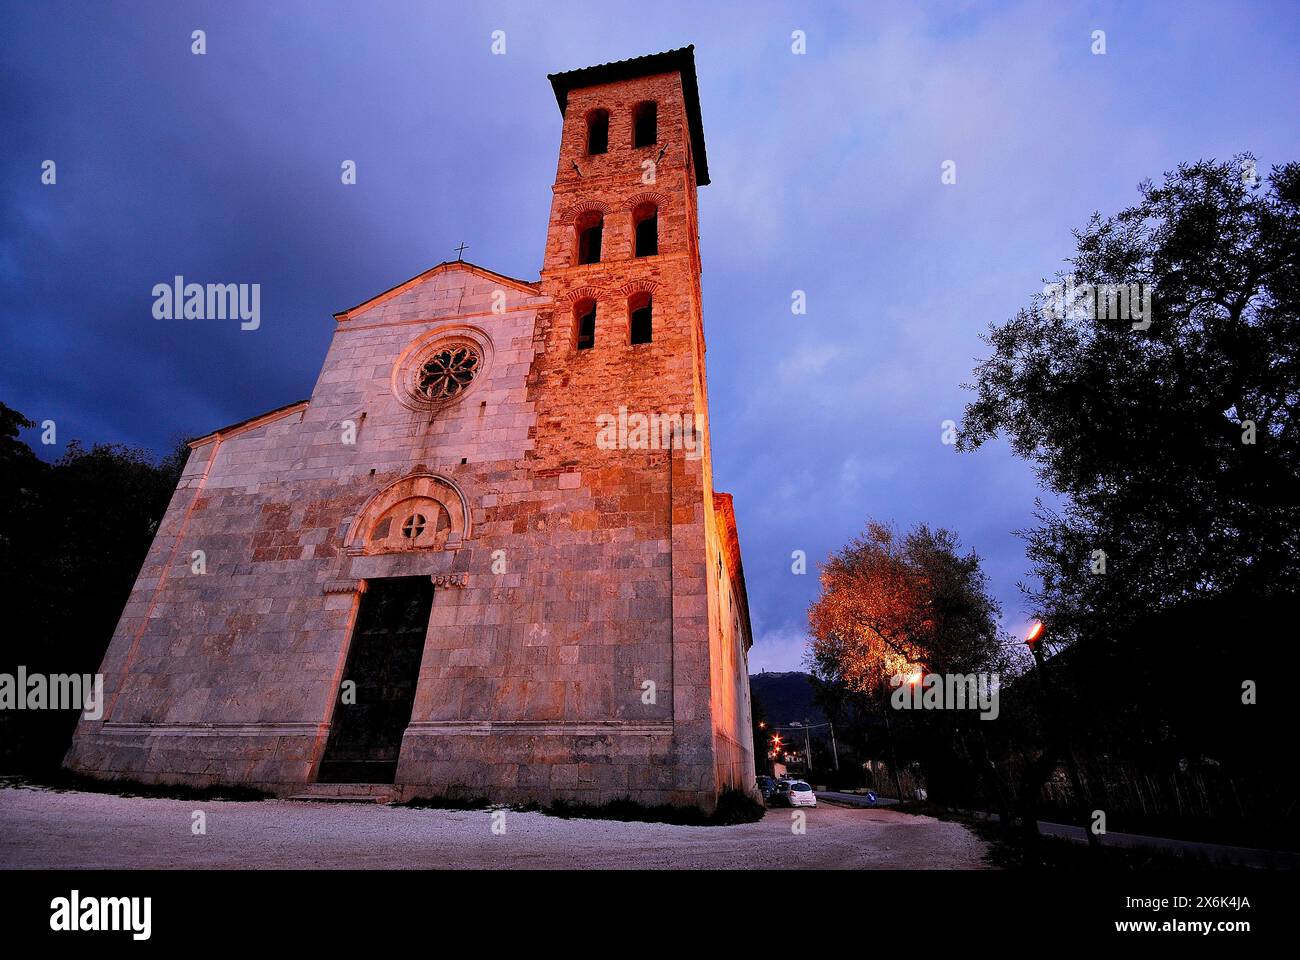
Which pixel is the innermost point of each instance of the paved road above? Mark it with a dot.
(1210, 852)
(41, 828)
(855, 799)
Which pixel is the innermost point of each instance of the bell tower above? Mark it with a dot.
(622, 262)
(624, 206)
(624, 343)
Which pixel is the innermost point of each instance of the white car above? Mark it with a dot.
(800, 795)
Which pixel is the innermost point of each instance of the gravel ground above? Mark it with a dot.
(46, 829)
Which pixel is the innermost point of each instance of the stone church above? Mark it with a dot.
(485, 558)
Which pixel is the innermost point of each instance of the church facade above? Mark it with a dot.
(485, 558)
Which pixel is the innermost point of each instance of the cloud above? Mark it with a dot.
(779, 649)
(826, 179)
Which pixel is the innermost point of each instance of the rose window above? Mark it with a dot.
(446, 374)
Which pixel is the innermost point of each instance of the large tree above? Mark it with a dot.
(1173, 446)
(894, 604)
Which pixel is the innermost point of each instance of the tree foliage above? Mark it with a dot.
(1144, 433)
(73, 535)
(892, 604)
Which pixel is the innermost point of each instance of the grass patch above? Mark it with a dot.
(63, 781)
(445, 803)
(736, 806)
(733, 807)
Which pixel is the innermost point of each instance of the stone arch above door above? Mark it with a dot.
(420, 512)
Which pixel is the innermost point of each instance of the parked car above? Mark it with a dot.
(766, 786)
(799, 794)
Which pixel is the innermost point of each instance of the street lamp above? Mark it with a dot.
(1034, 640)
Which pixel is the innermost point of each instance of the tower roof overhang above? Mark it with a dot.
(670, 61)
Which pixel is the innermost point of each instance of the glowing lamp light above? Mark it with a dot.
(1035, 634)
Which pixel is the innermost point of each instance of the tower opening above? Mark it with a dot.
(645, 130)
(597, 132)
(640, 308)
(590, 228)
(584, 319)
(646, 219)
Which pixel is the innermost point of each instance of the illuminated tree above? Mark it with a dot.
(894, 605)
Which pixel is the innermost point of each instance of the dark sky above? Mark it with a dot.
(826, 178)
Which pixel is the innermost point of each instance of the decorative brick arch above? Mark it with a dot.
(428, 495)
(638, 286)
(571, 214)
(583, 293)
(660, 200)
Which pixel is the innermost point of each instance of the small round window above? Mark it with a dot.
(414, 526)
(446, 374)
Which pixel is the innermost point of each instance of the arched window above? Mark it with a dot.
(584, 324)
(645, 127)
(414, 524)
(597, 132)
(639, 311)
(590, 227)
(646, 219)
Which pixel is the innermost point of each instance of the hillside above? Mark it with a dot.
(784, 697)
